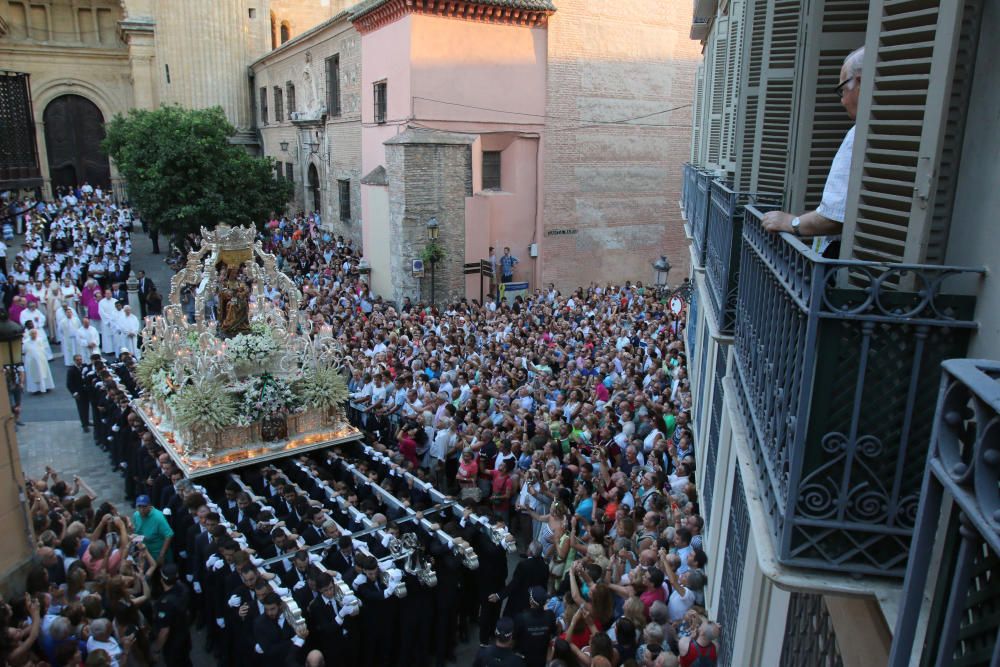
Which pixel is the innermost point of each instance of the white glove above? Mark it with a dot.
(282, 592)
(389, 591)
(385, 540)
(197, 587)
(256, 562)
(314, 558)
(298, 641)
(218, 565)
(166, 511)
(395, 575)
(350, 600)
(358, 544)
(183, 554)
(258, 649)
(221, 622)
(116, 428)
(189, 577)
(212, 560)
(234, 601)
(298, 586)
(358, 580)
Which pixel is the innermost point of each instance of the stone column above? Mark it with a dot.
(139, 34)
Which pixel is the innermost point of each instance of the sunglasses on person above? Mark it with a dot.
(842, 88)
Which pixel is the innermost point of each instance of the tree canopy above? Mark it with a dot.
(183, 173)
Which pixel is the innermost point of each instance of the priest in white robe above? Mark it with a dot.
(37, 318)
(129, 326)
(88, 340)
(116, 328)
(106, 309)
(38, 375)
(69, 322)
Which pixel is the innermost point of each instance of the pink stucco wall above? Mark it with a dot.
(473, 77)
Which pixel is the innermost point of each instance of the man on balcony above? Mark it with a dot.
(824, 224)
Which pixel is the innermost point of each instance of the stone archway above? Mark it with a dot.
(314, 189)
(74, 129)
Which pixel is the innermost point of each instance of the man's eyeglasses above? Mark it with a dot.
(840, 89)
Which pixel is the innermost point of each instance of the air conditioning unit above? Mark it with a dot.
(533, 250)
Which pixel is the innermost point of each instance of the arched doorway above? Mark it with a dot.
(314, 188)
(74, 129)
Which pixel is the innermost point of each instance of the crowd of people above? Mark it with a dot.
(561, 418)
(66, 283)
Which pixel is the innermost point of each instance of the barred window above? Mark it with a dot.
(333, 85)
(344, 190)
(290, 95)
(381, 93)
(263, 106)
(491, 170)
(279, 107)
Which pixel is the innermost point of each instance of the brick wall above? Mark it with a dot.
(611, 192)
(427, 180)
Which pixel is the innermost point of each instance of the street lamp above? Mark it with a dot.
(661, 269)
(284, 146)
(10, 340)
(433, 228)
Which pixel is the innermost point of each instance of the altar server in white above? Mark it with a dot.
(38, 375)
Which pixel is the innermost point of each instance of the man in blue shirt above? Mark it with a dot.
(507, 264)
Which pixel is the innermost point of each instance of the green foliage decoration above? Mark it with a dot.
(151, 363)
(206, 405)
(322, 388)
(183, 172)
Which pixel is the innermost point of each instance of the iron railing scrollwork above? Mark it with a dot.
(731, 589)
(810, 640)
(837, 364)
(964, 466)
(722, 253)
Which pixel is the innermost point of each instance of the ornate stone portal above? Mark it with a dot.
(254, 384)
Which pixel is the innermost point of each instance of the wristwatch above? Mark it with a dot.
(795, 226)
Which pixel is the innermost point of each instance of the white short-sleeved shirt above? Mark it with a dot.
(834, 203)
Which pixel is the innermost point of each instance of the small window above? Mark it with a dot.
(491, 170)
(286, 32)
(333, 85)
(290, 171)
(253, 13)
(263, 106)
(166, 68)
(380, 102)
(290, 95)
(344, 190)
(279, 107)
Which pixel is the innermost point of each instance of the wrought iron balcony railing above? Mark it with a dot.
(723, 242)
(837, 364)
(689, 177)
(964, 461)
(696, 209)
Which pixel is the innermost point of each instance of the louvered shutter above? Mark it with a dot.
(782, 31)
(717, 92)
(754, 17)
(902, 124)
(954, 135)
(699, 116)
(835, 28)
(734, 70)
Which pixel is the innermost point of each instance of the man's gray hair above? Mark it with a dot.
(60, 629)
(100, 628)
(534, 549)
(853, 62)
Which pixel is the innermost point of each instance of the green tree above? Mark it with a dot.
(183, 173)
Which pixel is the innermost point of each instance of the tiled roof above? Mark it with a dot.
(368, 6)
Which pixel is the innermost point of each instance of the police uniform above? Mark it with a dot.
(170, 611)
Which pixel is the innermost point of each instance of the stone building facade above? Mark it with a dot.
(88, 60)
(318, 142)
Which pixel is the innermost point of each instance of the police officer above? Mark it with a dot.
(173, 634)
(534, 628)
(500, 654)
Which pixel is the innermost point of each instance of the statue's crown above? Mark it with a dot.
(225, 237)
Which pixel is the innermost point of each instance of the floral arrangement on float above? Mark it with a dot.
(254, 381)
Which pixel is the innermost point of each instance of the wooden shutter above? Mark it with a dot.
(699, 117)
(902, 121)
(717, 91)
(834, 29)
(734, 71)
(754, 19)
(783, 36)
